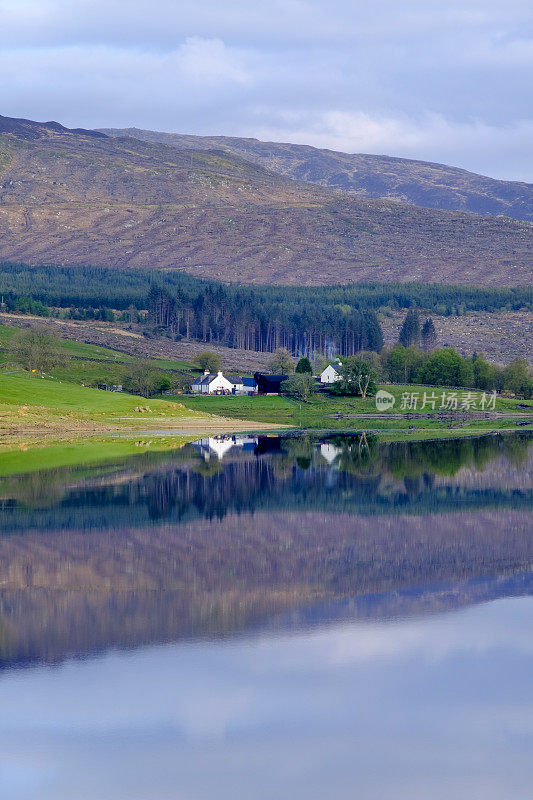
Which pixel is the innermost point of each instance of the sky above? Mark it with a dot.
(448, 81)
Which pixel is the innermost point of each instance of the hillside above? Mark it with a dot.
(76, 198)
(420, 183)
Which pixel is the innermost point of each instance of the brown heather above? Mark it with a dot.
(71, 198)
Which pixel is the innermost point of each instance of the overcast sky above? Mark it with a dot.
(441, 80)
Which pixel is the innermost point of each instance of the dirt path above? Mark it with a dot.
(67, 430)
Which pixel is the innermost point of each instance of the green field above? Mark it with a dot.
(321, 412)
(35, 410)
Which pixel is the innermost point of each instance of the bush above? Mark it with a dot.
(300, 386)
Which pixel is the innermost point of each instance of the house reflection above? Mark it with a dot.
(222, 445)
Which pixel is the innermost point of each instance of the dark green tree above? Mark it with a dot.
(410, 330)
(303, 366)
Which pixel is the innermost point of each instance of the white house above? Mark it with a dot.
(209, 383)
(331, 373)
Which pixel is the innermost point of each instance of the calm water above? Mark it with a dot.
(264, 617)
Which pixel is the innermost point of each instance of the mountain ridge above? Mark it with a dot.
(71, 198)
(422, 183)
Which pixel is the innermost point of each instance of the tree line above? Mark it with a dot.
(100, 287)
(263, 321)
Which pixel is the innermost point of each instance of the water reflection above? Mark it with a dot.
(436, 707)
(237, 533)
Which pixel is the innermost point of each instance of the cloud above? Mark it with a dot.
(472, 145)
(208, 61)
(442, 82)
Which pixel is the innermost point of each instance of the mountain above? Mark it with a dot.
(75, 197)
(420, 183)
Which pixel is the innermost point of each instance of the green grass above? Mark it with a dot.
(23, 388)
(175, 366)
(44, 400)
(316, 413)
(91, 364)
(89, 372)
(71, 348)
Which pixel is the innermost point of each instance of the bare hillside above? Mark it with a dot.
(75, 198)
(421, 183)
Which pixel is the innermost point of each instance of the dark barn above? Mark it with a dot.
(269, 384)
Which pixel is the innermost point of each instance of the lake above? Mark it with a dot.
(302, 617)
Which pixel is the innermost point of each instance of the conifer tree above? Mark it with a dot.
(410, 331)
(429, 336)
(304, 365)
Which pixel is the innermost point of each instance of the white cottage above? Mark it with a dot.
(209, 383)
(331, 373)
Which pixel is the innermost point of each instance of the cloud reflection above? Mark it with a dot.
(439, 706)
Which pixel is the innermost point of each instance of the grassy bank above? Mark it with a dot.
(323, 412)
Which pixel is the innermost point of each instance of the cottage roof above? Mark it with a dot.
(248, 382)
(205, 380)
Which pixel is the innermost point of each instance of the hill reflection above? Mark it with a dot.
(232, 534)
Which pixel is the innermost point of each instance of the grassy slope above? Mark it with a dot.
(49, 399)
(90, 364)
